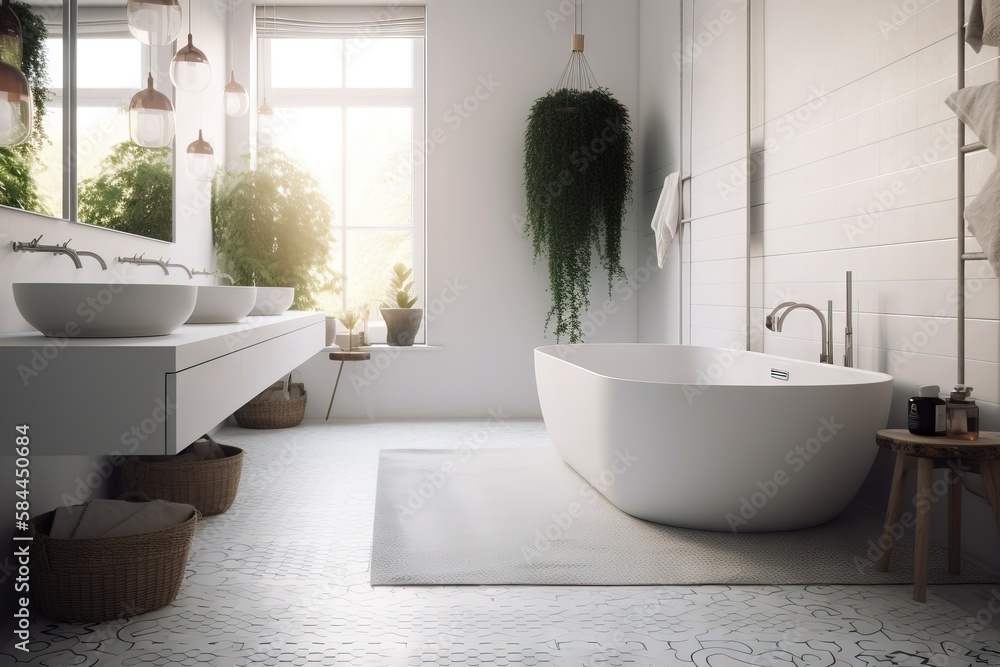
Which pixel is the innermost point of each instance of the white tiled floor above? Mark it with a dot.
(282, 579)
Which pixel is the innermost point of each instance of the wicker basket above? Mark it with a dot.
(112, 577)
(208, 485)
(270, 408)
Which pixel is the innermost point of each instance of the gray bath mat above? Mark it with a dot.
(522, 516)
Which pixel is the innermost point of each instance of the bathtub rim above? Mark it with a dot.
(875, 377)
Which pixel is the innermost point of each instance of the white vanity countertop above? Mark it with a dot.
(189, 345)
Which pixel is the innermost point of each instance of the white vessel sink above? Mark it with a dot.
(104, 310)
(273, 300)
(222, 304)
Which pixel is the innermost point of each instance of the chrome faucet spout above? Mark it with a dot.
(216, 273)
(770, 321)
(179, 266)
(64, 249)
(825, 357)
(100, 260)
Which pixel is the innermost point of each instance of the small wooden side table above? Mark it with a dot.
(342, 356)
(924, 454)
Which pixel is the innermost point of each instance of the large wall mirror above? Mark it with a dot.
(84, 66)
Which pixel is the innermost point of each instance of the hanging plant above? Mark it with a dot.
(578, 180)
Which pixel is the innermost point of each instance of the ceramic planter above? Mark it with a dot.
(401, 325)
(331, 330)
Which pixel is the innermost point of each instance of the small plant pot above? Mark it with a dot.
(401, 325)
(331, 331)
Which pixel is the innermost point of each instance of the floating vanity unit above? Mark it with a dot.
(123, 396)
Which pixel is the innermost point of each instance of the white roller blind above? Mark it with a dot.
(340, 22)
(97, 22)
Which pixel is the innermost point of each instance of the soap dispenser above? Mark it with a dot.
(962, 414)
(925, 414)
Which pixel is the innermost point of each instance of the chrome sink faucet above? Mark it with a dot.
(64, 249)
(178, 266)
(774, 323)
(216, 273)
(141, 260)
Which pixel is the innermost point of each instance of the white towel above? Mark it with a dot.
(983, 26)
(983, 216)
(667, 216)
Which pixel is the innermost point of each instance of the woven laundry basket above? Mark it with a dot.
(112, 577)
(282, 405)
(208, 485)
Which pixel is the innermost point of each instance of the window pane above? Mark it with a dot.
(54, 53)
(109, 63)
(315, 138)
(48, 169)
(306, 63)
(379, 167)
(380, 63)
(98, 129)
(370, 256)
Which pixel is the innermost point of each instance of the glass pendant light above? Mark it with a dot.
(189, 70)
(10, 35)
(151, 117)
(235, 99)
(16, 110)
(199, 162)
(154, 22)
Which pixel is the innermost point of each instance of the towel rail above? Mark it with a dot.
(973, 256)
(973, 148)
(963, 150)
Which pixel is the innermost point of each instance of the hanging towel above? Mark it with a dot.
(667, 216)
(983, 26)
(979, 108)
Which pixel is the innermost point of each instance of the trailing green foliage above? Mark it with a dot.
(35, 67)
(17, 164)
(578, 180)
(271, 226)
(17, 186)
(134, 192)
(400, 292)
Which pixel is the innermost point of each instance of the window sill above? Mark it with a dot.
(384, 348)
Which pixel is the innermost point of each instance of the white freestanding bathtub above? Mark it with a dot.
(711, 438)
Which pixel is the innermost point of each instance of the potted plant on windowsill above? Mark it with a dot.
(402, 320)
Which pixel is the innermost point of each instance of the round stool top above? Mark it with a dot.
(350, 355)
(901, 440)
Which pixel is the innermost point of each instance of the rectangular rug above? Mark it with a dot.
(503, 517)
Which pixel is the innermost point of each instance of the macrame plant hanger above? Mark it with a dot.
(577, 75)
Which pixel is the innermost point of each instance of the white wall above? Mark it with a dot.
(715, 242)
(475, 193)
(64, 480)
(855, 170)
(658, 153)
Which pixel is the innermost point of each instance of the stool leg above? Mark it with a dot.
(990, 471)
(335, 383)
(892, 511)
(922, 543)
(954, 521)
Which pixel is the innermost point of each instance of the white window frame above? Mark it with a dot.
(346, 98)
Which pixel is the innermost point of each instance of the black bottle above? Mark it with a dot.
(925, 414)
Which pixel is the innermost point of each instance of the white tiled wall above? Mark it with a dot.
(856, 171)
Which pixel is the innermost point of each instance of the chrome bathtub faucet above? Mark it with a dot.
(825, 324)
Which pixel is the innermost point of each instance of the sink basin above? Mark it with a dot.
(222, 304)
(104, 310)
(273, 300)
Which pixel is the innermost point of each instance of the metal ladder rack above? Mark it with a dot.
(963, 150)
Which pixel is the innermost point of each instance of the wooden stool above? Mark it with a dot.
(342, 356)
(926, 453)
